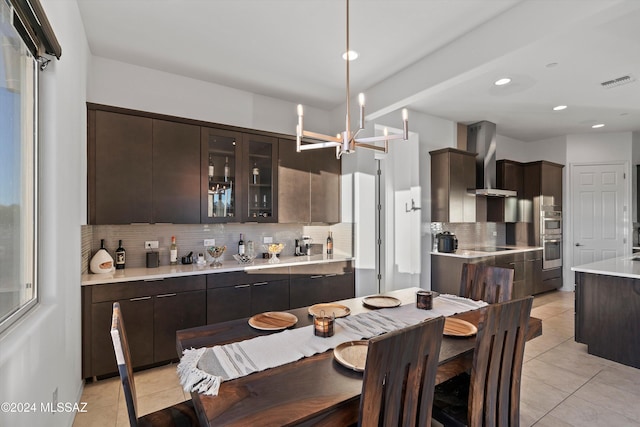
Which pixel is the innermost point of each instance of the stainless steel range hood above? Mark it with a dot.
(481, 139)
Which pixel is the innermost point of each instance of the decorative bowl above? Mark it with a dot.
(274, 249)
(216, 252)
(244, 258)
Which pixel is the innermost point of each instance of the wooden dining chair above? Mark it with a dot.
(486, 282)
(491, 395)
(399, 376)
(179, 415)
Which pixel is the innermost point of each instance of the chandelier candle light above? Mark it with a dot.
(347, 141)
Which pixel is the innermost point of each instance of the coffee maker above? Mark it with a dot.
(303, 246)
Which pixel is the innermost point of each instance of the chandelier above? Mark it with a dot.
(347, 141)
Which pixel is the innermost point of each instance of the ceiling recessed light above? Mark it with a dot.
(350, 55)
(503, 81)
(599, 125)
(559, 107)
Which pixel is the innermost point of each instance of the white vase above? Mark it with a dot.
(101, 262)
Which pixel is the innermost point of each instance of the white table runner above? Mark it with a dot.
(203, 369)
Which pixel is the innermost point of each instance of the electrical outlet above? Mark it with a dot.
(267, 240)
(209, 242)
(495, 233)
(151, 244)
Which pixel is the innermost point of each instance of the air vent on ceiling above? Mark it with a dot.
(618, 82)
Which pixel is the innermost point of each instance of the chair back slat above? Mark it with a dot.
(494, 392)
(399, 376)
(123, 359)
(487, 283)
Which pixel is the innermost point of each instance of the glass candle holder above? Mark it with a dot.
(323, 325)
(424, 300)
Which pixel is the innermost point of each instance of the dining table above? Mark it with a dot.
(312, 391)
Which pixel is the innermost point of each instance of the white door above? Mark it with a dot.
(599, 212)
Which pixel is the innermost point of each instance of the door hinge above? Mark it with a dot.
(379, 242)
(624, 175)
(379, 207)
(379, 172)
(379, 276)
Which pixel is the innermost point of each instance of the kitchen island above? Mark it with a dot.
(526, 261)
(608, 309)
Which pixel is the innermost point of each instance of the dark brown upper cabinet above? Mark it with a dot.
(120, 168)
(453, 183)
(221, 161)
(142, 169)
(259, 178)
(238, 177)
(176, 172)
(308, 185)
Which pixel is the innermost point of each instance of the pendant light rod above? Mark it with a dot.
(347, 141)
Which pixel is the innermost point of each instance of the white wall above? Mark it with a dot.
(42, 352)
(130, 86)
(511, 149)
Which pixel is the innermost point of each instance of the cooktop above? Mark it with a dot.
(491, 249)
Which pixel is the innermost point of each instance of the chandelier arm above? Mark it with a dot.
(317, 145)
(379, 138)
(321, 136)
(372, 147)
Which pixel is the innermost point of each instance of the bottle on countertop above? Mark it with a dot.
(120, 256)
(241, 245)
(173, 251)
(329, 244)
(210, 166)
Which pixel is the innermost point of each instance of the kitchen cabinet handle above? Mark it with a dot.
(318, 276)
(241, 286)
(159, 279)
(166, 295)
(331, 275)
(260, 283)
(139, 299)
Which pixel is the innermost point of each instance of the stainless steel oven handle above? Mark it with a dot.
(552, 240)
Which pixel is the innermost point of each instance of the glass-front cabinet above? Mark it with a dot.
(260, 157)
(221, 155)
(239, 173)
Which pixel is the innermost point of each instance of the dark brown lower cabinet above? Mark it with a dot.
(316, 283)
(269, 296)
(172, 312)
(138, 317)
(229, 303)
(241, 294)
(152, 310)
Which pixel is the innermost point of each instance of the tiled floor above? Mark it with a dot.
(562, 385)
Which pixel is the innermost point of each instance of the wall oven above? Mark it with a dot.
(550, 221)
(551, 252)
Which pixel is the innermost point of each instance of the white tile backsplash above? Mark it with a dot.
(190, 237)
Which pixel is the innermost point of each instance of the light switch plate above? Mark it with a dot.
(209, 242)
(267, 240)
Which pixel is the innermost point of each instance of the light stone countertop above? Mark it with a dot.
(626, 266)
(165, 271)
(470, 253)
